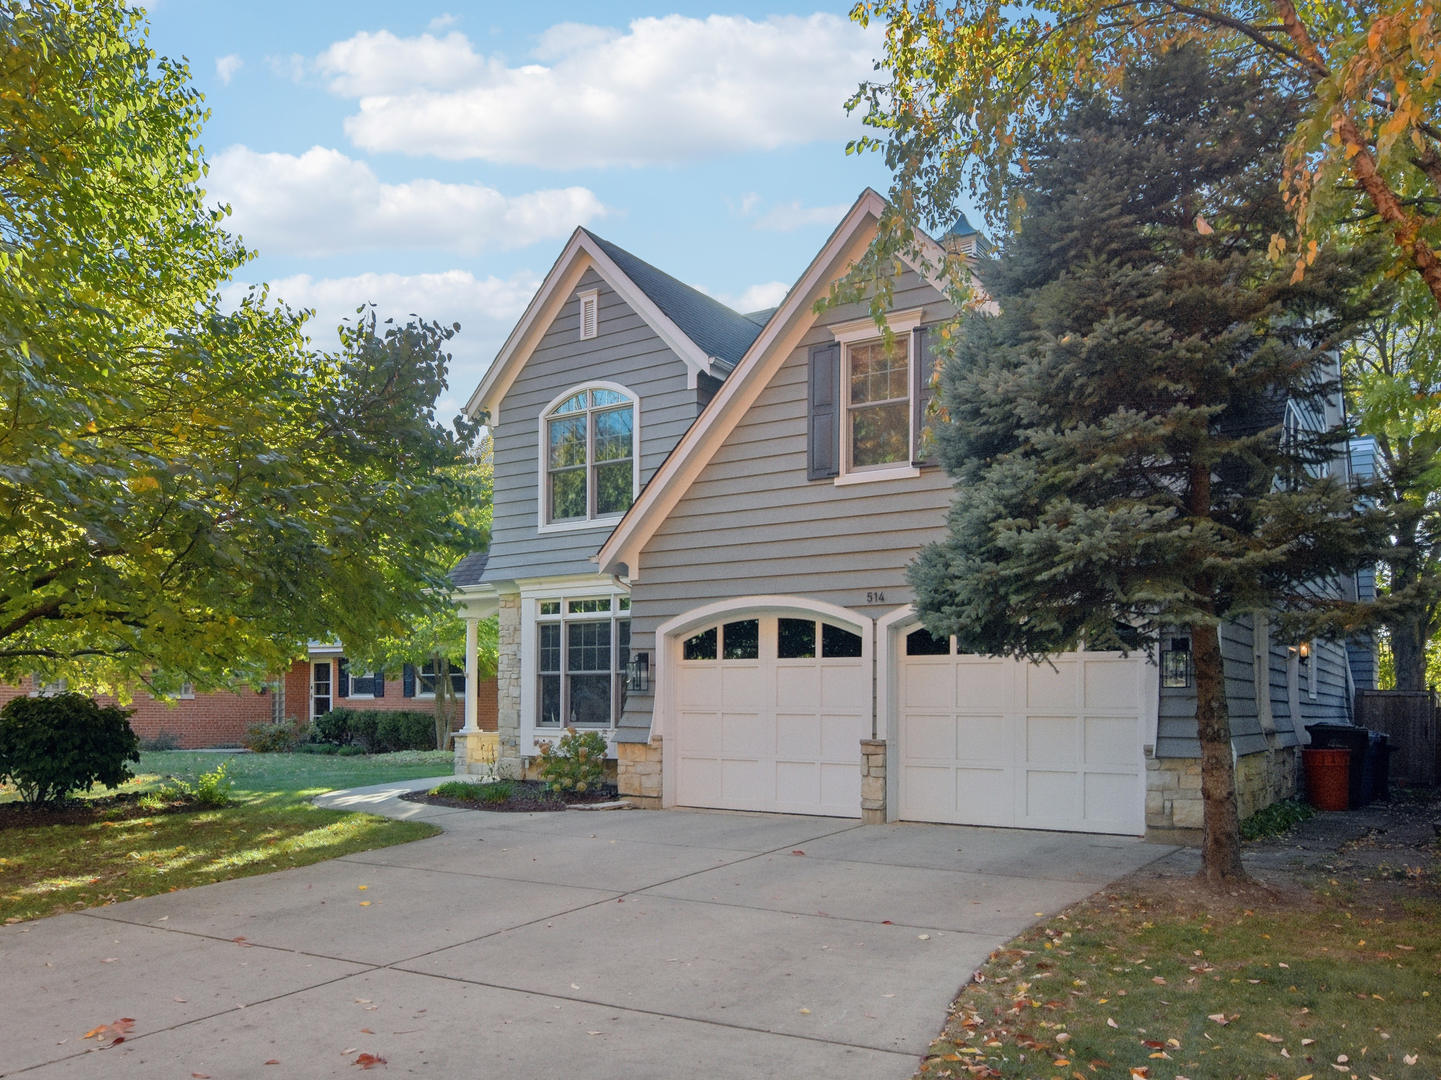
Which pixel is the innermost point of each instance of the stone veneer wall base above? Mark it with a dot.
(1175, 811)
(637, 773)
(873, 781)
(507, 679)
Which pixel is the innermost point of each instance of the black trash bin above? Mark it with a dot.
(1325, 736)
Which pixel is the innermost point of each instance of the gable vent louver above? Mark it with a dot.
(589, 314)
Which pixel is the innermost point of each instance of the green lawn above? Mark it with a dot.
(1131, 986)
(49, 869)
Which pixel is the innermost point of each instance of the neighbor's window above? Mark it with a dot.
(429, 676)
(878, 408)
(590, 456)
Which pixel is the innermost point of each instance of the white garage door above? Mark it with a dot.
(1001, 742)
(770, 714)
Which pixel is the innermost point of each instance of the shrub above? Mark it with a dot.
(470, 791)
(333, 727)
(162, 740)
(319, 748)
(575, 763)
(362, 729)
(1275, 819)
(350, 751)
(210, 789)
(53, 745)
(278, 738)
(405, 730)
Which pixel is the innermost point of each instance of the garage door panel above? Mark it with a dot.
(840, 786)
(797, 687)
(699, 686)
(740, 688)
(798, 782)
(1051, 738)
(929, 685)
(1109, 797)
(932, 737)
(700, 733)
(701, 778)
(928, 793)
(1110, 740)
(1111, 684)
(798, 736)
(743, 783)
(845, 688)
(982, 738)
(743, 733)
(1051, 796)
(986, 796)
(985, 686)
(841, 740)
(1051, 689)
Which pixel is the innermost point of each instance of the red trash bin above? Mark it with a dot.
(1328, 778)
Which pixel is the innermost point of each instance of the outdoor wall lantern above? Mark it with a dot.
(638, 675)
(1176, 664)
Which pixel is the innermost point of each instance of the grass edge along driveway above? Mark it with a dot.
(270, 825)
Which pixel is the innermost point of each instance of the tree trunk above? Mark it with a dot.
(442, 714)
(1408, 655)
(1221, 848)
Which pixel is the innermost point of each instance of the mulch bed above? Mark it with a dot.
(122, 807)
(528, 797)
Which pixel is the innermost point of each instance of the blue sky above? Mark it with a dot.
(434, 159)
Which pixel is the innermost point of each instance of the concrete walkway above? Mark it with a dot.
(622, 944)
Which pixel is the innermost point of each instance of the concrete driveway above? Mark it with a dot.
(593, 945)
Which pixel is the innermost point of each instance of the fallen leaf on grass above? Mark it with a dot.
(1140, 1072)
(1063, 1037)
(1111, 1023)
(1158, 980)
(1308, 1042)
(368, 1061)
(1268, 1038)
(1411, 1059)
(1220, 1018)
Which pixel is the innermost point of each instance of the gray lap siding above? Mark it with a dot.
(751, 524)
(625, 351)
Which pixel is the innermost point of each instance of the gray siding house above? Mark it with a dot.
(703, 521)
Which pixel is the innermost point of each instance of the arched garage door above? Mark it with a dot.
(769, 715)
(988, 741)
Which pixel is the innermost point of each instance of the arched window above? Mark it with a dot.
(588, 441)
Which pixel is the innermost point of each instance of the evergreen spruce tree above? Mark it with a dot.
(1116, 430)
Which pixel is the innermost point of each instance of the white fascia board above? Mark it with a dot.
(739, 392)
(581, 253)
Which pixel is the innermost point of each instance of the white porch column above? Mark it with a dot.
(472, 673)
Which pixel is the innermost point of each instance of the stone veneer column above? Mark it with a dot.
(1175, 811)
(508, 673)
(638, 772)
(873, 781)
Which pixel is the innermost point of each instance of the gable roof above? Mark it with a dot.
(780, 336)
(469, 570)
(708, 336)
(721, 332)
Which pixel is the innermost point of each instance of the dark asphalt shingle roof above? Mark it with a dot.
(715, 328)
(469, 570)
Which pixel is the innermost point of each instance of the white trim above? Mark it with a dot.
(899, 322)
(589, 297)
(668, 637)
(581, 253)
(780, 338)
(609, 521)
(869, 476)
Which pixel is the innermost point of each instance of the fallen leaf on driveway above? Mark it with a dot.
(241, 942)
(805, 1012)
(797, 851)
(350, 1050)
(367, 1061)
(592, 1032)
(924, 937)
(365, 903)
(110, 959)
(117, 1030)
(366, 1031)
(273, 1061)
(200, 1076)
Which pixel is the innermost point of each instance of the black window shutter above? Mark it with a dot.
(824, 433)
(379, 690)
(921, 369)
(407, 681)
(342, 687)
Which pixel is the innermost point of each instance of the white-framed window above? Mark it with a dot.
(588, 465)
(187, 691)
(582, 653)
(878, 402)
(49, 689)
(362, 684)
(427, 678)
(589, 314)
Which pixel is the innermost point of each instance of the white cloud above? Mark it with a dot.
(227, 66)
(440, 22)
(756, 298)
(665, 90)
(486, 309)
(290, 67)
(324, 203)
(788, 217)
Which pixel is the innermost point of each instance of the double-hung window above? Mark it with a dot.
(589, 444)
(878, 405)
(429, 677)
(583, 650)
